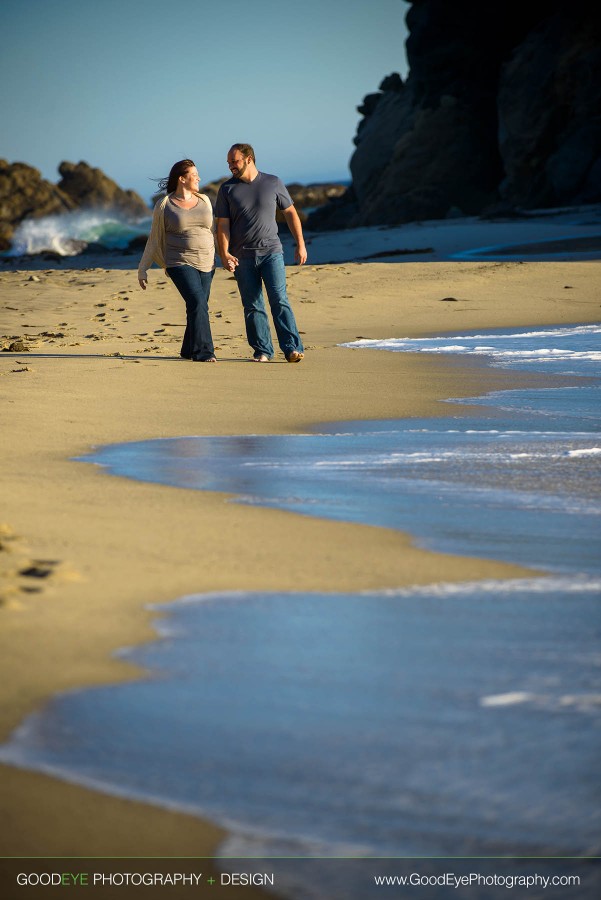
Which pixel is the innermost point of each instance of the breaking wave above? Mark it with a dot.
(70, 233)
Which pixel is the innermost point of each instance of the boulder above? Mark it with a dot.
(303, 195)
(25, 194)
(339, 213)
(314, 194)
(307, 197)
(90, 188)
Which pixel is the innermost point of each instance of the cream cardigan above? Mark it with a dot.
(154, 251)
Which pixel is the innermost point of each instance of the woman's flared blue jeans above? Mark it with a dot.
(195, 287)
(251, 275)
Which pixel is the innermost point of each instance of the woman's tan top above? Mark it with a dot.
(155, 248)
(189, 237)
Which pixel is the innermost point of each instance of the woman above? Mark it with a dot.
(181, 241)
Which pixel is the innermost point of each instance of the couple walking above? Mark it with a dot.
(181, 241)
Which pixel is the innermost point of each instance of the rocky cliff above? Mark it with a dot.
(501, 110)
(25, 194)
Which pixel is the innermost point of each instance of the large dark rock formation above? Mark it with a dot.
(501, 109)
(24, 194)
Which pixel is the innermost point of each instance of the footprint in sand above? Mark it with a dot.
(39, 568)
(20, 573)
(37, 573)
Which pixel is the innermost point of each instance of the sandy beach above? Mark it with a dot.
(82, 554)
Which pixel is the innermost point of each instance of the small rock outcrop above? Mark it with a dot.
(307, 197)
(24, 194)
(304, 196)
(90, 188)
(501, 110)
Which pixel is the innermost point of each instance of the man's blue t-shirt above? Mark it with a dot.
(250, 206)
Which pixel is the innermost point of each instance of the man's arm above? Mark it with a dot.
(296, 229)
(228, 261)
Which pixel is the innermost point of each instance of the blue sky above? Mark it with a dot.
(133, 86)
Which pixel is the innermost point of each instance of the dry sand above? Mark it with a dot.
(82, 553)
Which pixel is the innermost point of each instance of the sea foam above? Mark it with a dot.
(69, 233)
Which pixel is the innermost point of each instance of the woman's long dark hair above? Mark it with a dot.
(179, 168)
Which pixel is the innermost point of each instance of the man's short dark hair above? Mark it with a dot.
(245, 149)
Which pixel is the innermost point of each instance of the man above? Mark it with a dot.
(249, 246)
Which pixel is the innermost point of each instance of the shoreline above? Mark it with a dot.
(564, 233)
(112, 547)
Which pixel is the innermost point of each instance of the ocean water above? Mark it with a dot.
(67, 234)
(441, 721)
(570, 233)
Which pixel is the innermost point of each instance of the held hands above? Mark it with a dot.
(229, 262)
(143, 283)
